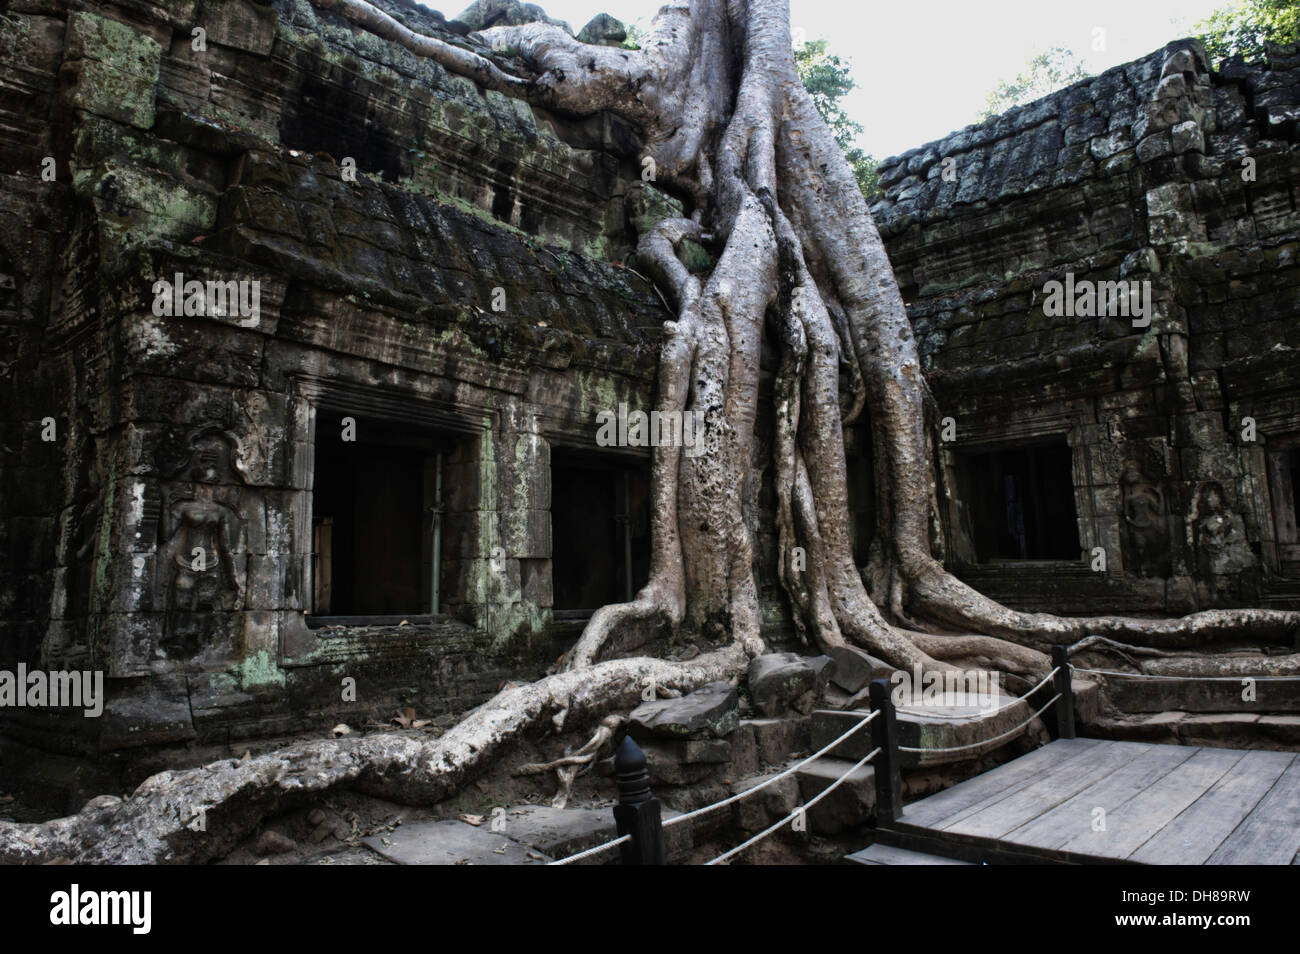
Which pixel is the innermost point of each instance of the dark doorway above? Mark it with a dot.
(373, 508)
(1283, 482)
(1021, 503)
(600, 530)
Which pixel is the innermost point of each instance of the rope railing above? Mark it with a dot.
(988, 715)
(637, 813)
(776, 826)
(677, 820)
(590, 851)
(795, 814)
(985, 742)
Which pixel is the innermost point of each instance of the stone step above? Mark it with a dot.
(523, 834)
(1282, 594)
(451, 842)
(1202, 694)
(926, 727)
(889, 855)
(851, 804)
(1216, 729)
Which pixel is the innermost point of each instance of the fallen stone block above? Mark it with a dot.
(557, 832)
(782, 683)
(712, 711)
(854, 668)
(451, 842)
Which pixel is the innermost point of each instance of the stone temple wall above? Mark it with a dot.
(1158, 171)
(467, 285)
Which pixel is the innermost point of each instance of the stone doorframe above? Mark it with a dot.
(1095, 523)
(442, 408)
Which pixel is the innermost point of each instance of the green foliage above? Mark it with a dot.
(635, 35)
(1047, 72)
(1243, 27)
(827, 79)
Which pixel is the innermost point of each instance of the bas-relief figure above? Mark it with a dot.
(199, 571)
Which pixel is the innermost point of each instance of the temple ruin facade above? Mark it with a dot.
(309, 343)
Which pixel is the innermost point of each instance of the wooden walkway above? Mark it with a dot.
(1090, 801)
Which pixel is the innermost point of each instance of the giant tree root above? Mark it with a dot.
(731, 130)
(156, 824)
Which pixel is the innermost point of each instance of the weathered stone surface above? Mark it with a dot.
(712, 711)
(742, 759)
(556, 832)
(451, 842)
(827, 725)
(1008, 372)
(603, 28)
(378, 204)
(244, 26)
(1087, 700)
(855, 667)
(669, 772)
(141, 712)
(691, 751)
(1138, 694)
(687, 762)
(764, 808)
(848, 806)
(116, 69)
(778, 739)
(784, 683)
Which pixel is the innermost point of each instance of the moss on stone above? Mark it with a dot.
(116, 69)
(259, 671)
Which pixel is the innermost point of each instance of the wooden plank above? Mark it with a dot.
(1194, 835)
(1269, 835)
(1133, 823)
(1044, 774)
(995, 784)
(1054, 828)
(888, 855)
(1048, 791)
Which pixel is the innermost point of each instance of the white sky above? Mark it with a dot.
(924, 67)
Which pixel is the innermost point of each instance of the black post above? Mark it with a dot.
(884, 735)
(1064, 685)
(637, 812)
